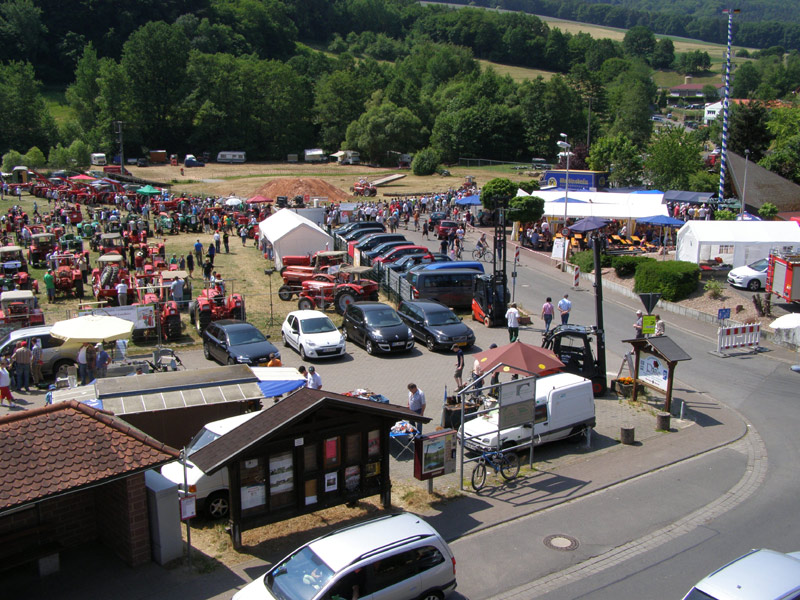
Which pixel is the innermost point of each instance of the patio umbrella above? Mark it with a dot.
(81, 178)
(473, 200)
(148, 190)
(233, 201)
(259, 199)
(588, 224)
(92, 328)
(791, 322)
(520, 358)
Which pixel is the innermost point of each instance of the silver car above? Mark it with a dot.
(57, 355)
(758, 575)
(397, 557)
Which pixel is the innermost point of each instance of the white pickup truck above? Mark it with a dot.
(564, 405)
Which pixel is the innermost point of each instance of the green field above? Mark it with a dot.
(518, 74)
(56, 102)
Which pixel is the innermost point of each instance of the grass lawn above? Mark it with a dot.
(518, 74)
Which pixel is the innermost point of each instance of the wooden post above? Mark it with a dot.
(386, 481)
(668, 399)
(635, 394)
(627, 434)
(235, 500)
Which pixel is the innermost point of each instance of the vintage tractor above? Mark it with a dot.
(15, 270)
(42, 244)
(66, 274)
(87, 230)
(111, 243)
(190, 223)
(105, 277)
(69, 242)
(20, 308)
(154, 289)
(212, 305)
(364, 188)
(164, 224)
(341, 290)
(314, 263)
(293, 282)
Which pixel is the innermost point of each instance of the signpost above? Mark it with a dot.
(649, 301)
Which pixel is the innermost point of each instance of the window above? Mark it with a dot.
(281, 480)
(540, 416)
(392, 570)
(49, 341)
(428, 557)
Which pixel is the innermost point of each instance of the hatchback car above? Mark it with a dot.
(752, 276)
(377, 327)
(444, 228)
(394, 557)
(373, 241)
(382, 248)
(436, 217)
(312, 334)
(435, 324)
(398, 252)
(759, 574)
(231, 342)
(404, 263)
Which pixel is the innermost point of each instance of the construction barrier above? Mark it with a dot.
(577, 277)
(740, 336)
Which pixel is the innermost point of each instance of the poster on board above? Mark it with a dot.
(653, 371)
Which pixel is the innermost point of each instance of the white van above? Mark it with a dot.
(211, 490)
(230, 156)
(564, 405)
(99, 159)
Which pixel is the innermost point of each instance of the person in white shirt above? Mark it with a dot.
(564, 307)
(122, 293)
(313, 381)
(512, 319)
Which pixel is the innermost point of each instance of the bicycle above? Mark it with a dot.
(482, 253)
(507, 463)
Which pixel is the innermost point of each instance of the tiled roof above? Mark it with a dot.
(271, 419)
(66, 446)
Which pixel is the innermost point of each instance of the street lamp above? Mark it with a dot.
(566, 147)
(744, 187)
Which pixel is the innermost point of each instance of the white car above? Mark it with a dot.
(759, 574)
(312, 334)
(752, 276)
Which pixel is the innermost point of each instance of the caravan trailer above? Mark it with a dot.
(231, 156)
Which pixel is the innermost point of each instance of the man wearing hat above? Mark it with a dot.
(314, 381)
(22, 360)
(637, 326)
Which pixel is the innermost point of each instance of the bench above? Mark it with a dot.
(35, 543)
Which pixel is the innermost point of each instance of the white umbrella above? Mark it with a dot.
(790, 321)
(92, 328)
(233, 201)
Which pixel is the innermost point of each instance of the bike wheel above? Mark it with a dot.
(509, 467)
(479, 476)
(477, 254)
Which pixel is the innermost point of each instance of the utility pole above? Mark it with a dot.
(723, 165)
(118, 130)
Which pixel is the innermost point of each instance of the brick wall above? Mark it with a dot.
(122, 519)
(73, 516)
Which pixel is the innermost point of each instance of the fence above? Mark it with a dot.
(394, 285)
(739, 336)
(485, 162)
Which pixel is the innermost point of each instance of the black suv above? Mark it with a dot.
(435, 324)
(231, 342)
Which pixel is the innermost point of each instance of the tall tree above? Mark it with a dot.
(24, 119)
(620, 157)
(83, 93)
(639, 42)
(673, 156)
(339, 100)
(383, 128)
(22, 33)
(663, 54)
(748, 129)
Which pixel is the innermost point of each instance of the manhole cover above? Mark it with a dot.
(561, 542)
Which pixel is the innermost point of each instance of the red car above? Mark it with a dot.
(392, 255)
(444, 228)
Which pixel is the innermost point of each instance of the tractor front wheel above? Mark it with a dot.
(305, 304)
(344, 299)
(285, 293)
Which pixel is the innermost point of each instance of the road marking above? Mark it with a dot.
(751, 444)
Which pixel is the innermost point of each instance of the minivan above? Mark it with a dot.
(395, 557)
(451, 287)
(57, 355)
(211, 491)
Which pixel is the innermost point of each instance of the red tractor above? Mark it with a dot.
(364, 188)
(105, 277)
(154, 288)
(66, 274)
(293, 282)
(15, 270)
(212, 305)
(20, 308)
(314, 263)
(42, 244)
(111, 243)
(344, 289)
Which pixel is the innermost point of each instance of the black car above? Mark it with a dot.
(359, 225)
(377, 327)
(231, 342)
(372, 241)
(360, 233)
(435, 324)
(404, 263)
(436, 217)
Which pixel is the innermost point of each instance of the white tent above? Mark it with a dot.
(606, 205)
(736, 242)
(293, 234)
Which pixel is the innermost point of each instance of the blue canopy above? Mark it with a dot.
(473, 200)
(588, 224)
(276, 381)
(662, 220)
(270, 389)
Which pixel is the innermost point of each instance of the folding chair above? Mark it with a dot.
(404, 440)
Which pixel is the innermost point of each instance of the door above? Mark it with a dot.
(215, 341)
(352, 319)
(394, 577)
(294, 331)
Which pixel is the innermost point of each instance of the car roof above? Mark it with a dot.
(29, 331)
(307, 314)
(369, 305)
(233, 323)
(758, 574)
(346, 546)
(427, 305)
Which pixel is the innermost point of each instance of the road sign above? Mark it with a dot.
(516, 255)
(649, 324)
(649, 301)
(723, 313)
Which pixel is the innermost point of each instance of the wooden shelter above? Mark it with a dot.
(655, 359)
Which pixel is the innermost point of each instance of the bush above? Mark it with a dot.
(11, 159)
(714, 289)
(585, 260)
(724, 215)
(625, 266)
(35, 158)
(425, 162)
(674, 280)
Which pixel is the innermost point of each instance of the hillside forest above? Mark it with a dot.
(273, 77)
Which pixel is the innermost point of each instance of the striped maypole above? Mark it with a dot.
(723, 165)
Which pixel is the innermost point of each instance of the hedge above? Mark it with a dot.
(585, 260)
(625, 265)
(674, 280)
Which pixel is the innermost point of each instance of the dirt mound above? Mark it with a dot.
(299, 186)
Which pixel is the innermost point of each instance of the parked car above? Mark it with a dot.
(444, 228)
(57, 355)
(435, 324)
(398, 252)
(377, 327)
(210, 491)
(376, 239)
(752, 276)
(312, 334)
(360, 233)
(192, 161)
(384, 247)
(142, 162)
(396, 556)
(372, 226)
(436, 217)
(404, 263)
(230, 341)
(758, 575)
